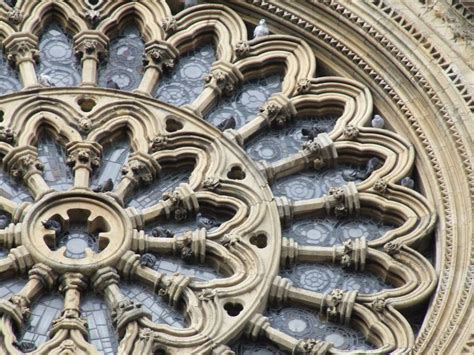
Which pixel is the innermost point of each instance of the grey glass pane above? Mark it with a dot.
(323, 278)
(245, 103)
(186, 82)
(304, 323)
(53, 156)
(124, 67)
(114, 157)
(190, 223)
(245, 346)
(278, 143)
(311, 184)
(169, 179)
(9, 80)
(76, 239)
(57, 59)
(330, 231)
(43, 312)
(200, 272)
(158, 307)
(12, 189)
(10, 287)
(101, 332)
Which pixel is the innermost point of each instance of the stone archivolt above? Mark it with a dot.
(253, 272)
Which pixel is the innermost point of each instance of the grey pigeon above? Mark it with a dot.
(111, 84)
(46, 80)
(378, 122)
(159, 232)
(372, 164)
(147, 260)
(228, 123)
(107, 186)
(53, 225)
(4, 221)
(311, 133)
(261, 30)
(407, 182)
(206, 222)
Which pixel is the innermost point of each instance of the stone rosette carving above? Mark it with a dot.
(211, 183)
(241, 49)
(381, 186)
(139, 170)
(303, 86)
(15, 16)
(157, 143)
(169, 25)
(7, 135)
(351, 132)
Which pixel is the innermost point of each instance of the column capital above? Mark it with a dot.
(160, 55)
(224, 78)
(22, 162)
(91, 44)
(278, 110)
(20, 47)
(83, 155)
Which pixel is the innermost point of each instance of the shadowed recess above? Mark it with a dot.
(280, 142)
(9, 80)
(186, 82)
(13, 190)
(331, 231)
(53, 156)
(43, 312)
(312, 184)
(245, 103)
(123, 69)
(324, 278)
(159, 309)
(58, 64)
(101, 332)
(168, 180)
(304, 323)
(114, 156)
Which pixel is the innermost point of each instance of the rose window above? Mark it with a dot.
(171, 184)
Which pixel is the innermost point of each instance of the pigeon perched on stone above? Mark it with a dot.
(159, 232)
(407, 182)
(25, 346)
(147, 260)
(107, 186)
(261, 29)
(53, 225)
(311, 133)
(4, 221)
(190, 3)
(206, 222)
(111, 84)
(378, 122)
(372, 164)
(228, 123)
(46, 80)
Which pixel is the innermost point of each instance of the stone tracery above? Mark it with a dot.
(250, 271)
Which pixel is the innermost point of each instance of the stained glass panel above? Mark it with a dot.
(9, 80)
(58, 63)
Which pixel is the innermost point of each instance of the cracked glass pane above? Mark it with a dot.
(324, 278)
(312, 184)
(245, 103)
(43, 312)
(13, 190)
(304, 323)
(169, 179)
(9, 80)
(278, 143)
(124, 67)
(101, 332)
(159, 309)
(186, 81)
(114, 156)
(53, 156)
(331, 231)
(59, 65)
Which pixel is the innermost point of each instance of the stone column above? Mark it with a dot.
(83, 157)
(90, 46)
(22, 51)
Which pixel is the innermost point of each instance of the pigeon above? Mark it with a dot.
(206, 222)
(190, 3)
(53, 225)
(311, 133)
(378, 122)
(107, 186)
(261, 30)
(111, 84)
(228, 123)
(407, 182)
(4, 221)
(148, 260)
(46, 80)
(25, 346)
(372, 164)
(159, 232)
